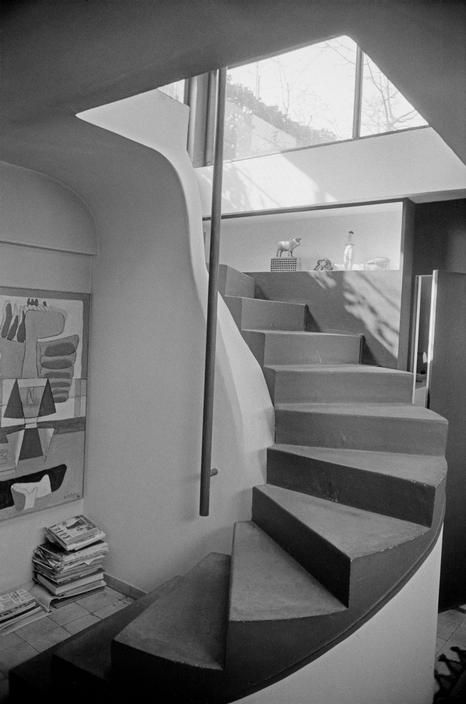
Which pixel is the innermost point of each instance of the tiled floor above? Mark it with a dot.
(451, 631)
(29, 640)
(59, 624)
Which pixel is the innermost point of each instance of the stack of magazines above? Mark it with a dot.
(17, 608)
(70, 562)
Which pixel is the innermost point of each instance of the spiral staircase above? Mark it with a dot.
(352, 506)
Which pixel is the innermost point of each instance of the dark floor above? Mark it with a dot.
(451, 632)
(60, 623)
(35, 637)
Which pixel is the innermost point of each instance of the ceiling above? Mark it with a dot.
(59, 58)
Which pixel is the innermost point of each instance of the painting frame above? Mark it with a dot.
(44, 353)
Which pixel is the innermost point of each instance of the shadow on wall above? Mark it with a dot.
(363, 302)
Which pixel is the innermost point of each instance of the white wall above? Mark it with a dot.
(38, 211)
(248, 243)
(147, 356)
(375, 168)
(389, 660)
(41, 213)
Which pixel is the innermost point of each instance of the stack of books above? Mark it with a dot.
(17, 608)
(70, 562)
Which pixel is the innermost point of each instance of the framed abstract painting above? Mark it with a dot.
(43, 389)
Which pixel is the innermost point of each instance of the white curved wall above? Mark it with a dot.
(147, 357)
(38, 211)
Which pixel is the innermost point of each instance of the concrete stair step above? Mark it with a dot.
(179, 641)
(267, 584)
(287, 347)
(267, 315)
(350, 551)
(362, 426)
(279, 614)
(80, 665)
(325, 383)
(232, 282)
(393, 484)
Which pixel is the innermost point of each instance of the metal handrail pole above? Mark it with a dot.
(211, 331)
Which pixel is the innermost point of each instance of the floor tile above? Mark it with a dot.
(16, 653)
(68, 613)
(80, 623)
(448, 622)
(110, 609)
(440, 646)
(94, 602)
(42, 634)
(114, 594)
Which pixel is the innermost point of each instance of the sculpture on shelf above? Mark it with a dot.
(348, 251)
(323, 265)
(288, 246)
(377, 263)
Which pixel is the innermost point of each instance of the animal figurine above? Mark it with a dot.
(323, 265)
(288, 246)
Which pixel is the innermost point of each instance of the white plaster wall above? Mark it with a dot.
(389, 660)
(248, 243)
(147, 356)
(38, 211)
(375, 168)
(42, 211)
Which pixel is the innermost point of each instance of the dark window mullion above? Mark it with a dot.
(358, 78)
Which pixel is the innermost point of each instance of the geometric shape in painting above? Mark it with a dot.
(6, 463)
(47, 405)
(46, 435)
(31, 396)
(56, 360)
(15, 440)
(25, 493)
(55, 475)
(31, 446)
(14, 408)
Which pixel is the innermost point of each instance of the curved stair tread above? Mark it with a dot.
(404, 411)
(343, 368)
(268, 584)
(304, 333)
(424, 469)
(188, 625)
(352, 531)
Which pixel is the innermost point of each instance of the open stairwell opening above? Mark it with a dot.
(352, 507)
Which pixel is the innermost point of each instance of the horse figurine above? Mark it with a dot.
(288, 246)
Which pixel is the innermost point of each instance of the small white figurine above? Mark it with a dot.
(288, 246)
(348, 251)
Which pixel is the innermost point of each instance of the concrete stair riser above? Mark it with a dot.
(234, 283)
(387, 494)
(365, 432)
(303, 348)
(251, 313)
(339, 547)
(180, 639)
(366, 384)
(330, 566)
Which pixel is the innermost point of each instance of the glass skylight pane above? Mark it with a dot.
(174, 90)
(293, 100)
(384, 108)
